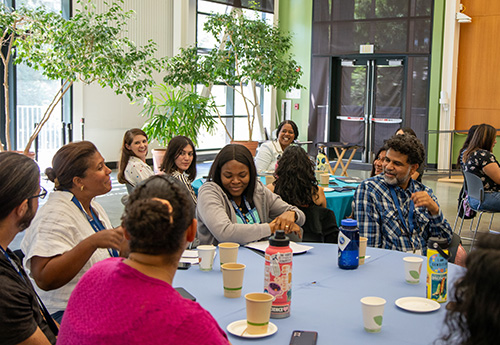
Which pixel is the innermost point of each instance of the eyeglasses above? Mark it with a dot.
(42, 195)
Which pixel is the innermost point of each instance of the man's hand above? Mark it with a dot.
(423, 199)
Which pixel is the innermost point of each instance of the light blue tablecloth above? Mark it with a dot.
(338, 202)
(325, 298)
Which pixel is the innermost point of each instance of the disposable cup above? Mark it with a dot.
(269, 179)
(258, 312)
(318, 173)
(324, 179)
(232, 279)
(228, 252)
(206, 254)
(373, 313)
(413, 267)
(362, 249)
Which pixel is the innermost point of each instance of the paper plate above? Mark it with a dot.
(238, 328)
(328, 189)
(417, 304)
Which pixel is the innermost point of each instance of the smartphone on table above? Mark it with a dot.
(304, 338)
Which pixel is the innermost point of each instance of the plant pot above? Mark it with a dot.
(250, 145)
(158, 155)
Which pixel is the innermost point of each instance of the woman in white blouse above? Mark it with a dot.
(132, 168)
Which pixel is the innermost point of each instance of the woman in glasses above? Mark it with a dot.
(71, 232)
(180, 162)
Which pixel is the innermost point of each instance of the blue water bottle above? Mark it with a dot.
(348, 244)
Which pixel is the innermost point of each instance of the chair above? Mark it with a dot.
(475, 190)
(320, 226)
(461, 212)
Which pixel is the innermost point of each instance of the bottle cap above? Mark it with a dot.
(434, 242)
(349, 222)
(279, 239)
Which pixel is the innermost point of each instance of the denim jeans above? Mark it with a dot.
(491, 202)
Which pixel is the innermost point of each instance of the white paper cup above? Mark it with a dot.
(206, 254)
(373, 313)
(413, 267)
(324, 179)
(228, 252)
(362, 249)
(232, 279)
(258, 312)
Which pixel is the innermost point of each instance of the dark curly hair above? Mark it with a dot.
(474, 316)
(240, 154)
(295, 179)
(152, 227)
(408, 145)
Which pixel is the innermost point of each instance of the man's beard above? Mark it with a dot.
(395, 181)
(27, 218)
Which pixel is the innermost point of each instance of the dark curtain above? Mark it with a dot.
(320, 90)
(260, 5)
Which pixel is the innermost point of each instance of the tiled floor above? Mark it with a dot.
(446, 192)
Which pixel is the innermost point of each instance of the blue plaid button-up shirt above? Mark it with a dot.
(379, 221)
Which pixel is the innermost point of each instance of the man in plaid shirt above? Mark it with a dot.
(393, 210)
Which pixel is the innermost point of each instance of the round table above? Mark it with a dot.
(326, 298)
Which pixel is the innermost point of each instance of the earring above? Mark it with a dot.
(81, 188)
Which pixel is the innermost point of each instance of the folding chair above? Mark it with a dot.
(475, 190)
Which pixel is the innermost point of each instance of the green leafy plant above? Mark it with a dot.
(90, 47)
(173, 112)
(248, 52)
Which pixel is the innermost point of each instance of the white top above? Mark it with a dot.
(267, 156)
(58, 227)
(137, 171)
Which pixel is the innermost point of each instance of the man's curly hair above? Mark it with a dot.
(408, 145)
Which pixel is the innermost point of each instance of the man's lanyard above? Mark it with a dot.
(95, 223)
(411, 222)
(250, 212)
(50, 322)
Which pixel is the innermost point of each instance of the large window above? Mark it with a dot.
(31, 93)
(231, 104)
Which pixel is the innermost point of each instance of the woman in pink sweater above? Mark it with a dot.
(132, 301)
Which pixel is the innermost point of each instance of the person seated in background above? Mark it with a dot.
(71, 232)
(393, 210)
(470, 134)
(296, 184)
(180, 162)
(269, 152)
(472, 315)
(132, 167)
(480, 161)
(23, 318)
(295, 180)
(132, 301)
(379, 161)
(417, 175)
(234, 206)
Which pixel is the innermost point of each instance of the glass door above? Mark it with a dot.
(368, 102)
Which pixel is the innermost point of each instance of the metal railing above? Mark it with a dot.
(50, 137)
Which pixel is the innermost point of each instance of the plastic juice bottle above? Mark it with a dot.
(278, 274)
(348, 244)
(437, 269)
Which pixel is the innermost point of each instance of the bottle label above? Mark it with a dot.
(437, 274)
(438, 264)
(343, 241)
(278, 278)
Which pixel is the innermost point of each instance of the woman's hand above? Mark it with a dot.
(285, 221)
(111, 238)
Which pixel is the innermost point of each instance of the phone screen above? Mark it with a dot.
(304, 338)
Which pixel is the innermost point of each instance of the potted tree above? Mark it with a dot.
(171, 112)
(248, 52)
(90, 47)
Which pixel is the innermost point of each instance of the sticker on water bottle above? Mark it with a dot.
(343, 241)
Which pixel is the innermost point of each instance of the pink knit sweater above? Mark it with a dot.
(114, 303)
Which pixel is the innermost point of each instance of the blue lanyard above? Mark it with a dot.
(95, 223)
(12, 263)
(250, 212)
(411, 222)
